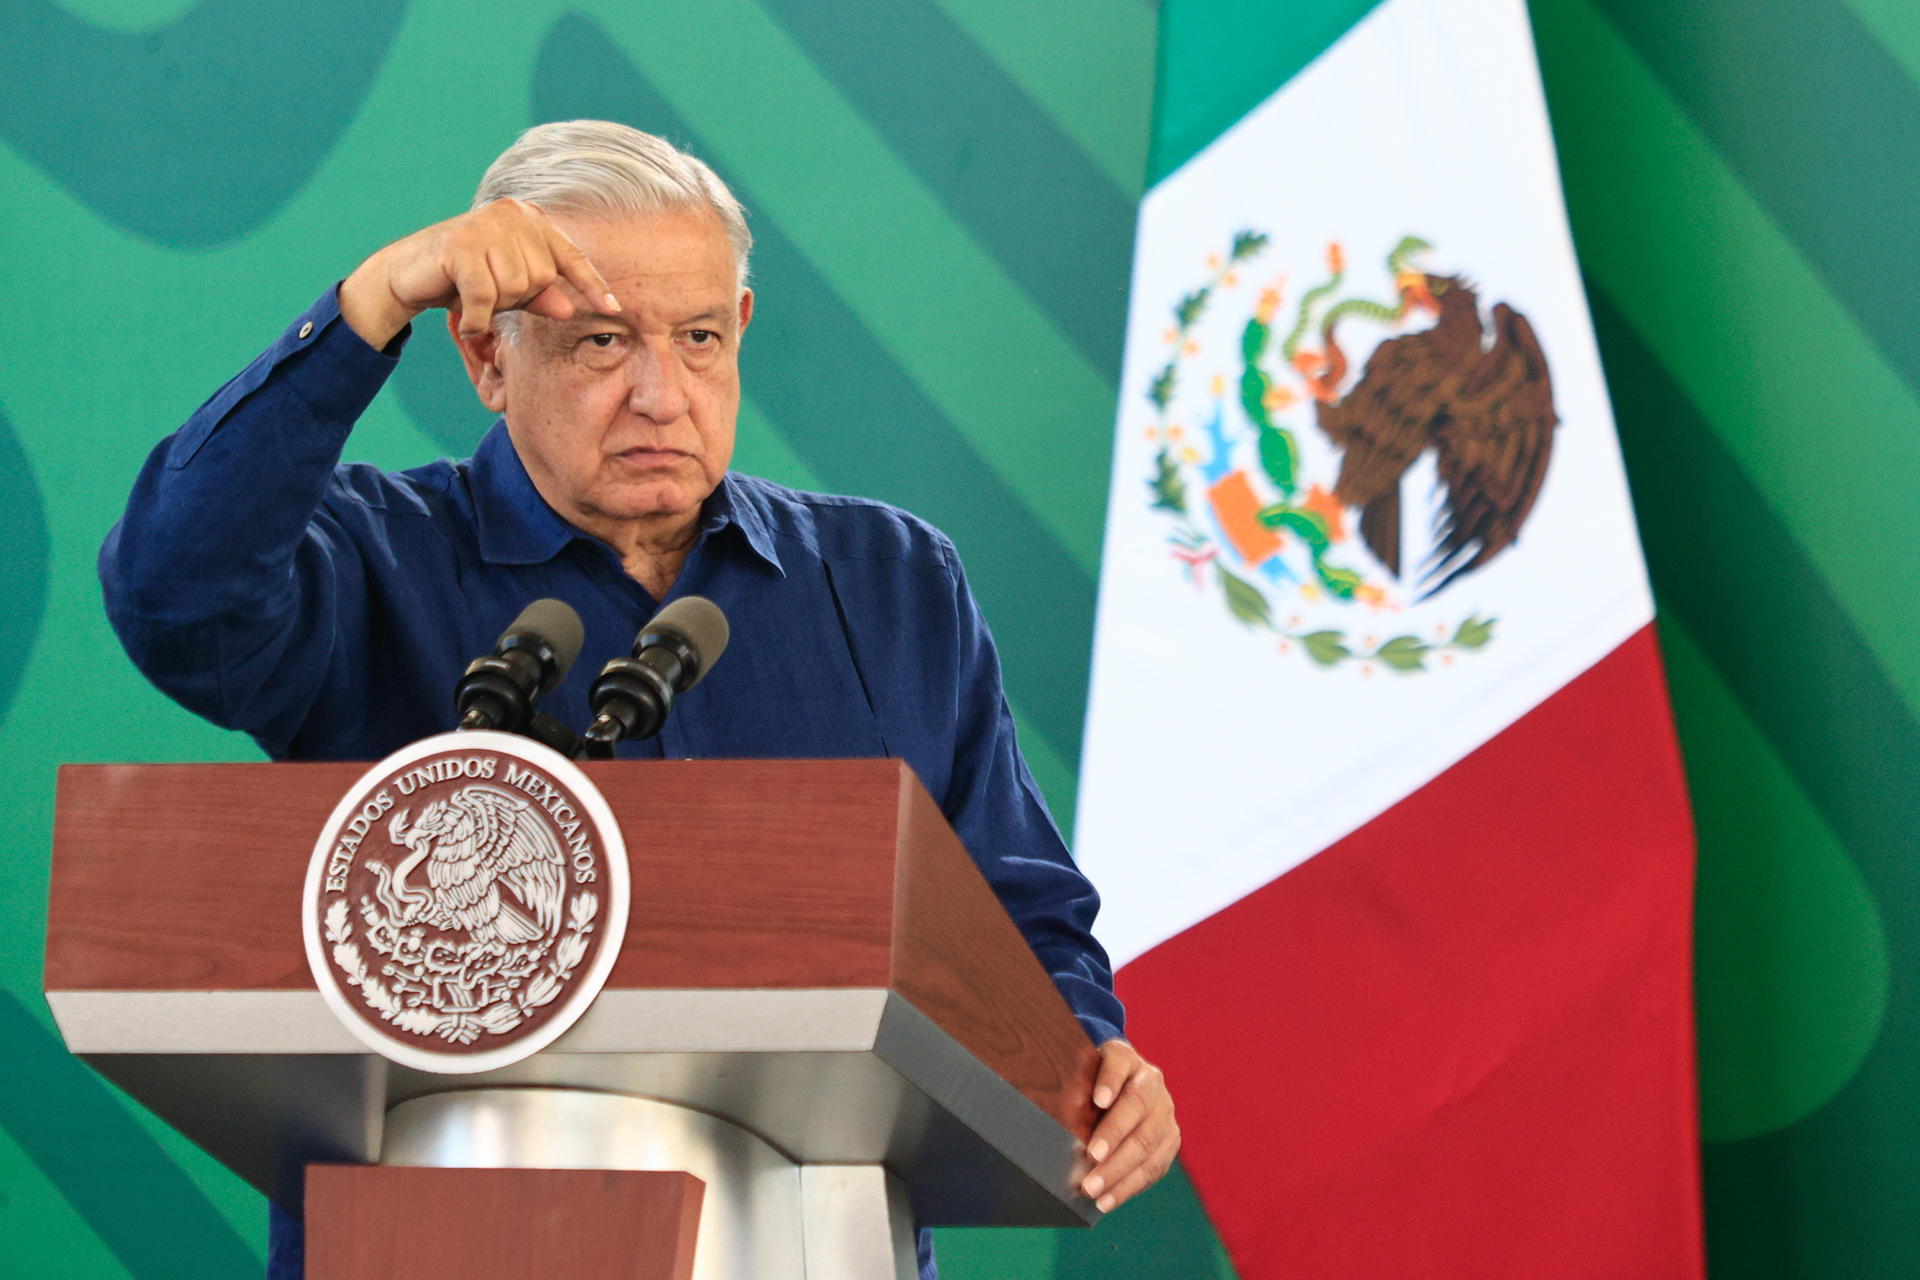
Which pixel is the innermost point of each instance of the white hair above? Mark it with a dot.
(602, 169)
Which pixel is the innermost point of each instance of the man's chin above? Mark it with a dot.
(652, 502)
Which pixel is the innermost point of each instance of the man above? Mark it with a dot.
(597, 292)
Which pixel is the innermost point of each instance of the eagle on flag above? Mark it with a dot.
(1482, 402)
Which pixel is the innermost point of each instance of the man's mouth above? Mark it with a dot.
(649, 456)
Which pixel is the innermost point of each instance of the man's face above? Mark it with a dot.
(625, 421)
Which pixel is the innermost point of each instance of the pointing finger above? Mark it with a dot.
(553, 302)
(577, 271)
(549, 295)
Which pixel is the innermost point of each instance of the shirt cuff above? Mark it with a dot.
(329, 366)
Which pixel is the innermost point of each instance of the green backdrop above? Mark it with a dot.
(943, 193)
(1735, 169)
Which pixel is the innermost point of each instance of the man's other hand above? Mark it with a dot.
(1135, 1142)
(503, 256)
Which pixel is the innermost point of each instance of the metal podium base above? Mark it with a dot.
(763, 1215)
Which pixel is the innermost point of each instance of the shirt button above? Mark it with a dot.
(306, 329)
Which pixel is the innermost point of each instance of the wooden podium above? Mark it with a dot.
(820, 1012)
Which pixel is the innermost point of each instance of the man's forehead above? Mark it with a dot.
(692, 235)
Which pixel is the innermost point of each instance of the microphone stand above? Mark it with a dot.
(549, 732)
(597, 742)
(543, 729)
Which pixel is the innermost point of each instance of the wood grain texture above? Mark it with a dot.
(378, 1222)
(962, 962)
(756, 873)
(184, 876)
(745, 873)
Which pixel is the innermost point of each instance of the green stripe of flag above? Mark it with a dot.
(1221, 58)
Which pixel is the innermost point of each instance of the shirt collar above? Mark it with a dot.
(516, 526)
(734, 502)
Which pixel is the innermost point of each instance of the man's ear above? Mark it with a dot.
(480, 352)
(746, 308)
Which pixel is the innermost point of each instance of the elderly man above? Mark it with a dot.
(597, 291)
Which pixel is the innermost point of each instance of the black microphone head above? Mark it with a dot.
(698, 623)
(553, 631)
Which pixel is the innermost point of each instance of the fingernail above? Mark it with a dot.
(1104, 1204)
(613, 303)
(1103, 1097)
(1098, 1151)
(1095, 1184)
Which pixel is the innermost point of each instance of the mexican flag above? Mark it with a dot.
(1380, 782)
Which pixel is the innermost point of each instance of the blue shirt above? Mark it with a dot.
(329, 609)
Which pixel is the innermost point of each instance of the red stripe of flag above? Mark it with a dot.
(1459, 1042)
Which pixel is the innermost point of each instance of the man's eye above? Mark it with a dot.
(602, 339)
(702, 337)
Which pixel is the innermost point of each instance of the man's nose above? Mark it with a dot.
(659, 388)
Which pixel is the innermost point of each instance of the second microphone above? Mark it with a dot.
(632, 695)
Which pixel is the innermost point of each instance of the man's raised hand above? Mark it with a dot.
(504, 256)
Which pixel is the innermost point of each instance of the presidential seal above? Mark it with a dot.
(465, 901)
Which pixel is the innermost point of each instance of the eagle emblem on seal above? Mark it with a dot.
(476, 843)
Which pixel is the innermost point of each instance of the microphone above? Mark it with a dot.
(632, 696)
(530, 658)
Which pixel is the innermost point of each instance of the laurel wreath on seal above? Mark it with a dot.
(1311, 517)
(436, 986)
